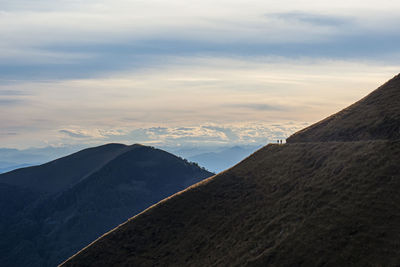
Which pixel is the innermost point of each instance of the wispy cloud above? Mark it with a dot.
(313, 19)
(264, 90)
(110, 69)
(97, 38)
(6, 92)
(10, 101)
(8, 133)
(76, 133)
(259, 106)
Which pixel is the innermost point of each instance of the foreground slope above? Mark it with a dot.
(307, 203)
(55, 226)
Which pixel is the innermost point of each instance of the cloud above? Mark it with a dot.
(8, 133)
(258, 106)
(313, 19)
(208, 134)
(111, 132)
(163, 109)
(163, 71)
(75, 133)
(98, 38)
(13, 93)
(10, 101)
(157, 130)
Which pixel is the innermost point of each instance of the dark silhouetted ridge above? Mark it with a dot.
(40, 229)
(323, 203)
(375, 117)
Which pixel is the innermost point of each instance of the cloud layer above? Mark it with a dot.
(72, 71)
(71, 39)
(206, 135)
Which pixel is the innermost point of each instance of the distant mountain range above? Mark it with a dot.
(11, 159)
(49, 212)
(213, 158)
(223, 159)
(329, 197)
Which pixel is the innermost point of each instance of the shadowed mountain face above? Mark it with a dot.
(44, 227)
(299, 204)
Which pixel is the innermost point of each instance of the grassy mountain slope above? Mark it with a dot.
(310, 204)
(60, 174)
(56, 226)
(299, 204)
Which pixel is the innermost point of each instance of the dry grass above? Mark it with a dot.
(311, 204)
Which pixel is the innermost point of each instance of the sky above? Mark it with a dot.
(176, 73)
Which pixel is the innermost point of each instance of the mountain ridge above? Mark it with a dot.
(321, 199)
(74, 167)
(44, 229)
